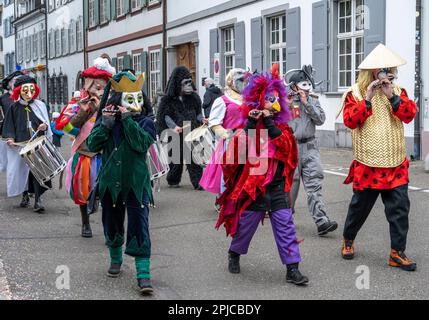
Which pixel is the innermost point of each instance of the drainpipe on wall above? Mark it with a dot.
(418, 83)
(47, 58)
(164, 43)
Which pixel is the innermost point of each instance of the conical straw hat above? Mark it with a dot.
(381, 57)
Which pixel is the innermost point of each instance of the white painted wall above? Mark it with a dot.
(115, 29)
(70, 65)
(400, 37)
(112, 51)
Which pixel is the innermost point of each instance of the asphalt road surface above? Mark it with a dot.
(38, 253)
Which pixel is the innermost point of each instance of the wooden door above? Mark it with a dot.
(186, 57)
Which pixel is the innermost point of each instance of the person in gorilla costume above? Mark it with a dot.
(180, 105)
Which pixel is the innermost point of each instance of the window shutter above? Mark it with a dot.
(108, 10)
(240, 45)
(161, 69)
(113, 9)
(128, 62)
(256, 42)
(293, 38)
(96, 12)
(115, 63)
(376, 34)
(214, 48)
(85, 14)
(145, 69)
(126, 6)
(320, 43)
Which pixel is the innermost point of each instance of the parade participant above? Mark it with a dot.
(57, 134)
(77, 119)
(25, 119)
(5, 103)
(307, 113)
(226, 116)
(181, 104)
(124, 134)
(147, 107)
(257, 181)
(212, 93)
(375, 108)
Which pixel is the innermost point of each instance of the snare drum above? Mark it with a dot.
(157, 161)
(202, 145)
(43, 159)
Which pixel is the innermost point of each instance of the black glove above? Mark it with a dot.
(108, 121)
(395, 101)
(273, 131)
(251, 124)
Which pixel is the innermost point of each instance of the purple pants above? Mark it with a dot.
(283, 229)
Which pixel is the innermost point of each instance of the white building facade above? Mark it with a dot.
(30, 40)
(332, 35)
(8, 37)
(65, 49)
(131, 33)
(425, 76)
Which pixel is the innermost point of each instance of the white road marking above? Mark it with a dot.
(334, 173)
(5, 293)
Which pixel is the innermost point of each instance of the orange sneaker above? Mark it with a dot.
(398, 259)
(348, 251)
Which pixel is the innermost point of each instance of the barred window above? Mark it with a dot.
(229, 49)
(350, 41)
(155, 73)
(277, 33)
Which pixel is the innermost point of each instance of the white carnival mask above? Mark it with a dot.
(133, 101)
(304, 85)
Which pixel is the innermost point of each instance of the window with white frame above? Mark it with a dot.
(51, 44)
(58, 50)
(120, 7)
(42, 41)
(136, 5)
(103, 10)
(72, 36)
(35, 45)
(64, 40)
(20, 49)
(229, 49)
(79, 34)
(350, 41)
(120, 64)
(155, 73)
(137, 63)
(277, 35)
(91, 13)
(152, 2)
(28, 47)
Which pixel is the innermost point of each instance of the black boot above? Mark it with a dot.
(38, 206)
(294, 275)
(25, 200)
(233, 262)
(114, 270)
(86, 227)
(326, 228)
(145, 286)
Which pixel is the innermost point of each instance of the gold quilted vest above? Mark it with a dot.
(380, 142)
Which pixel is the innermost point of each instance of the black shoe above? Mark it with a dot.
(174, 186)
(38, 207)
(114, 270)
(145, 286)
(233, 262)
(199, 188)
(25, 202)
(327, 227)
(86, 230)
(294, 276)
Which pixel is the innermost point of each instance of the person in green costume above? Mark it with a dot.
(124, 134)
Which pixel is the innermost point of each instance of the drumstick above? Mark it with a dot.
(187, 126)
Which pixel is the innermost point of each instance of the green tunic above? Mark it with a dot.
(127, 169)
